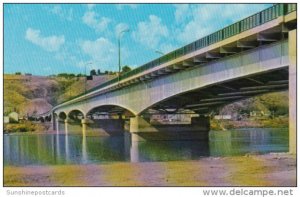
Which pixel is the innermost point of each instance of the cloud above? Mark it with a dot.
(151, 32)
(62, 13)
(51, 43)
(101, 51)
(120, 27)
(121, 6)
(181, 12)
(195, 21)
(93, 20)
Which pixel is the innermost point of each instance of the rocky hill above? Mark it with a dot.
(30, 95)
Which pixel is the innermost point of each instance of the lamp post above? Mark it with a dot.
(119, 46)
(159, 52)
(85, 76)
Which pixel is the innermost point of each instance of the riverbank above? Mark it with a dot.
(278, 122)
(25, 127)
(215, 125)
(251, 170)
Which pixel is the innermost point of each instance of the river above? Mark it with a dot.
(53, 149)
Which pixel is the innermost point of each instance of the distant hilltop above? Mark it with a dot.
(29, 95)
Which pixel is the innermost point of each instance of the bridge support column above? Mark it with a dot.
(67, 121)
(141, 130)
(54, 122)
(292, 91)
(84, 123)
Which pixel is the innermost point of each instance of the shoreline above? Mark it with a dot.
(273, 169)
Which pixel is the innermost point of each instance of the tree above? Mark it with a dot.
(80, 75)
(126, 69)
(99, 72)
(18, 73)
(93, 72)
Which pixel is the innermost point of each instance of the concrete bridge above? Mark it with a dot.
(253, 56)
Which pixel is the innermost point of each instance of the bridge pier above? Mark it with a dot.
(54, 122)
(84, 123)
(67, 121)
(141, 129)
(292, 91)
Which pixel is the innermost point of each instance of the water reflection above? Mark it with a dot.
(67, 148)
(67, 145)
(84, 150)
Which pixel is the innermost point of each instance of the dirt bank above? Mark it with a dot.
(251, 170)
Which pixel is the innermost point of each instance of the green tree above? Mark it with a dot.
(18, 73)
(126, 69)
(93, 72)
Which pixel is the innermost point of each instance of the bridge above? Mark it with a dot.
(253, 56)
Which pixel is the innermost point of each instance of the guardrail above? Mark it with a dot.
(250, 22)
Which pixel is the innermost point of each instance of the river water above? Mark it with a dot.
(53, 149)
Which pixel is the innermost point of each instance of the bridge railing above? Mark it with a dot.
(250, 22)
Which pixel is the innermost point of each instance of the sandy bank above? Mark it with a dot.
(252, 170)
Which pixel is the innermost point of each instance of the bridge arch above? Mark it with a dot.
(76, 115)
(48, 118)
(42, 119)
(62, 115)
(109, 109)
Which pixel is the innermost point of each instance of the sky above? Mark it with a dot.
(46, 39)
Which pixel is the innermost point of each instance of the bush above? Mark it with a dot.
(23, 127)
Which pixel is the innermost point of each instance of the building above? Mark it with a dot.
(5, 119)
(222, 117)
(13, 117)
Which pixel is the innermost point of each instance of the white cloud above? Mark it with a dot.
(93, 20)
(120, 27)
(62, 13)
(181, 12)
(101, 51)
(195, 21)
(150, 33)
(50, 43)
(121, 6)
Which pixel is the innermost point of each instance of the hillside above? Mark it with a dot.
(276, 104)
(35, 94)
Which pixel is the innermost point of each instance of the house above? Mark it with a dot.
(13, 117)
(5, 119)
(222, 117)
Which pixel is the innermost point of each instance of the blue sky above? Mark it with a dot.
(45, 39)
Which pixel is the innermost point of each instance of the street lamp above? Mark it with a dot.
(119, 45)
(159, 52)
(89, 63)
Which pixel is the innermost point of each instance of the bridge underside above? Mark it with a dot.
(204, 100)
